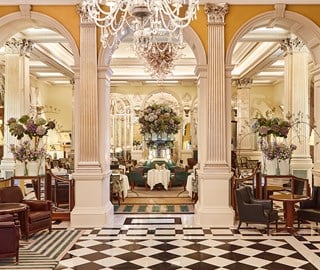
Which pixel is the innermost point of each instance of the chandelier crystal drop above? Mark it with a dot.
(160, 16)
(159, 59)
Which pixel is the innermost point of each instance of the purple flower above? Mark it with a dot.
(263, 130)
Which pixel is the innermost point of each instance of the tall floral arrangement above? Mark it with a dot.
(30, 130)
(158, 118)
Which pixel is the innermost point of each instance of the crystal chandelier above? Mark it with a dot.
(159, 59)
(160, 17)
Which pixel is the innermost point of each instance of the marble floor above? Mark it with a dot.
(174, 242)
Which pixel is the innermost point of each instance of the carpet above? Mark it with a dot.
(171, 192)
(154, 209)
(43, 251)
(157, 201)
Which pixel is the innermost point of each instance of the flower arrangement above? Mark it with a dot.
(159, 118)
(32, 127)
(279, 151)
(24, 152)
(29, 130)
(265, 125)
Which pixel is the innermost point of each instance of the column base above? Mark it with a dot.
(91, 217)
(217, 217)
(213, 207)
(92, 201)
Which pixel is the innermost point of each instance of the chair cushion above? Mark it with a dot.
(36, 216)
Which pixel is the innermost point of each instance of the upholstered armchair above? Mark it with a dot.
(38, 215)
(179, 178)
(251, 210)
(10, 236)
(310, 209)
(136, 178)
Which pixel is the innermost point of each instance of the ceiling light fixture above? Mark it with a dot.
(159, 59)
(160, 18)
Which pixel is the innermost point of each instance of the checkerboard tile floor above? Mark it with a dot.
(171, 243)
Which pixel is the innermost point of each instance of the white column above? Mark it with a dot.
(17, 93)
(213, 206)
(244, 136)
(316, 156)
(92, 205)
(296, 86)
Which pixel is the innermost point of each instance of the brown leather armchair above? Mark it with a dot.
(10, 236)
(38, 215)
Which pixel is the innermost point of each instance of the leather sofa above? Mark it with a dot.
(38, 215)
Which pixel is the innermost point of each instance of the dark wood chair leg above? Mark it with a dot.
(239, 225)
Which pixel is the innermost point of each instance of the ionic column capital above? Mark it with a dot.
(216, 12)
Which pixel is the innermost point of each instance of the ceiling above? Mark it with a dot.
(257, 56)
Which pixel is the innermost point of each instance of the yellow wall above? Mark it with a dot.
(60, 98)
(66, 15)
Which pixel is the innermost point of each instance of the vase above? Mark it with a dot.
(271, 166)
(284, 167)
(277, 167)
(33, 168)
(20, 169)
(154, 136)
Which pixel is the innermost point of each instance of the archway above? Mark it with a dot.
(105, 56)
(294, 23)
(23, 22)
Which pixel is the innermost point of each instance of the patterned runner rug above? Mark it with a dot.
(43, 250)
(154, 209)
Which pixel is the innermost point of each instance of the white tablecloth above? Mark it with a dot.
(125, 185)
(156, 176)
(189, 184)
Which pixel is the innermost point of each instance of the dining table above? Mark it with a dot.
(158, 176)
